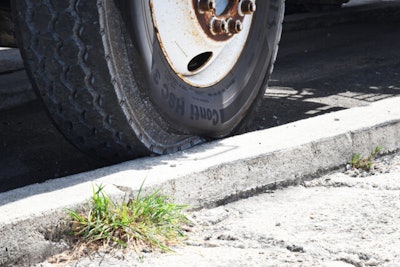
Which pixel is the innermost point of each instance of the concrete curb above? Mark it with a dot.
(10, 60)
(211, 174)
(15, 88)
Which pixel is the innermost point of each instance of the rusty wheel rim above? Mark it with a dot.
(202, 39)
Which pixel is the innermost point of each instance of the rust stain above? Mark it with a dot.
(205, 18)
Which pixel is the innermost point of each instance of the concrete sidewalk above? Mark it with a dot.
(343, 219)
(32, 217)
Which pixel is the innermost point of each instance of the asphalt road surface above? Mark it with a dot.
(327, 62)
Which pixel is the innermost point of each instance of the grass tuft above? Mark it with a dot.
(145, 221)
(358, 162)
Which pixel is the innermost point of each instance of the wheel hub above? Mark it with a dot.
(221, 22)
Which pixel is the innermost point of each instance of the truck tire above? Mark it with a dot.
(109, 85)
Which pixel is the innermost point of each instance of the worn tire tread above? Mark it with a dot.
(62, 47)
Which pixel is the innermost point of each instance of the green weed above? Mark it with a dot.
(359, 162)
(145, 221)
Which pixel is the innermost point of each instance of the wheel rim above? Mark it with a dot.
(202, 39)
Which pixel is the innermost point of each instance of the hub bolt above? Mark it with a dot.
(235, 26)
(206, 5)
(219, 26)
(248, 7)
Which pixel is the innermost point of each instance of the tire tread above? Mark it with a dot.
(62, 46)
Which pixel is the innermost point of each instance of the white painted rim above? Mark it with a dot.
(182, 38)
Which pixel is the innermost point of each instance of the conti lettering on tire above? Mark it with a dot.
(123, 79)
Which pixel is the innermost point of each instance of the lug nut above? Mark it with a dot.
(206, 5)
(235, 26)
(219, 26)
(248, 7)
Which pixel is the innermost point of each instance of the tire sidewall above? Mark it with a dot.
(213, 111)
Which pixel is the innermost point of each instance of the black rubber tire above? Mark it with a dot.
(85, 59)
